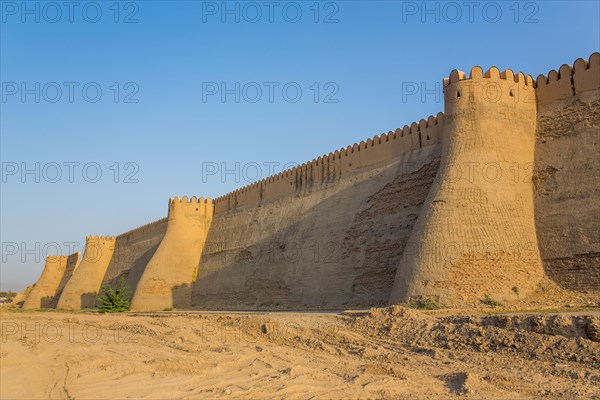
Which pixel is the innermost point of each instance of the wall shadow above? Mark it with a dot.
(133, 275)
(367, 223)
(89, 300)
(567, 221)
(181, 296)
(47, 302)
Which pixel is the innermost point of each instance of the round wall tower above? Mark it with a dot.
(476, 235)
(81, 291)
(167, 279)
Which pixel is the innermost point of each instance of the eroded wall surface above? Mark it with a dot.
(336, 246)
(567, 174)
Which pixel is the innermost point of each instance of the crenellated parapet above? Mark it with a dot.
(99, 239)
(142, 231)
(167, 279)
(586, 74)
(582, 76)
(95, 246)
(189, 201)
(326, 169)
(191, 210)
(490, 87)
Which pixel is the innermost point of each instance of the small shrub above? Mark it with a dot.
(516, 290)
(488, 301)
(9, 295)
(426, 304)
(115, 300)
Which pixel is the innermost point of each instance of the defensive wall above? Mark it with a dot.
(82, 289)
(566, 174)
(467, 240)
(486, 198)
(335, 245)
(312, 175)
(72, 264)
(57, 272)
(133, 251)
(167, 279)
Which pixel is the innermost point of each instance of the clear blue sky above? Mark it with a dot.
(168, 59)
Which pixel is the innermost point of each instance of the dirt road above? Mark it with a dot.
(383, 353)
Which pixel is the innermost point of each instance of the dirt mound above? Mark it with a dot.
(584, 326)
(546, 338)
(550, 294)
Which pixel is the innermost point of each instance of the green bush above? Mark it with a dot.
(426, 304)
(10, 295)
(488, 301)
(116, 300)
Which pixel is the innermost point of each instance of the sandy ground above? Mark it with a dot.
(382, 353)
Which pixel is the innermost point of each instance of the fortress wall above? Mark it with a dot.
(335, 247)
(82, 289)
(49, 286)
(566, 175)
(327, 233)
(72, 263)
(327, 169)
(133, 251)
(388, 219)
(167, 278)
(475, 235)
(45, 288)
